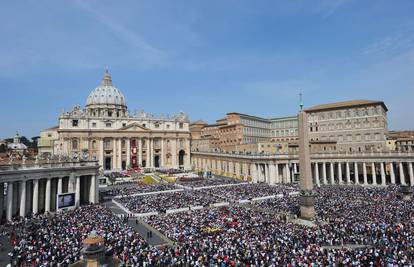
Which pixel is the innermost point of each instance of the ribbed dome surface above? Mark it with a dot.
(106, 94)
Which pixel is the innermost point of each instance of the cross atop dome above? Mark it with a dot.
(106, 80)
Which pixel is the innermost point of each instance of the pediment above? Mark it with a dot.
(134, 127)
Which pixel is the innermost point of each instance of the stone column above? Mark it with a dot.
(9, 201)
(253, 172)
(392, 173)
(47, 195)
(187, 156)
(101, 153)
(128, 152)
(162, 153)
(272, 174)
(152, 152)
(331, 167)
(402, 175)
(411, 173)
(295, 168)
(174, 152)
(22, 198)
(77, 192)
(119, 153)
(374, 174)
(1, 199)
(59, 185)
(383, 177)
(148, 153)
(316, 166)
(348, 174)
(340, 173)
(140, 152)
(277, 173)
(92, 189)
(364, 172)
(114, 153)
(356, 174)
(35, 200)
(325, 181)
(287, 173)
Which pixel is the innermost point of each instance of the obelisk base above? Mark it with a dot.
(307, 206)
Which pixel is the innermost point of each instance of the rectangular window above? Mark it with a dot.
(108, 125)
(181, 125)
(93, 124)
(75, 123)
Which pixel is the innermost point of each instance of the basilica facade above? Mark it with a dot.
(106, 131)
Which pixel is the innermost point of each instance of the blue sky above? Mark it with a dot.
(205, 58)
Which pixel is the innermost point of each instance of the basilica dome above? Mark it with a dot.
(106, 94)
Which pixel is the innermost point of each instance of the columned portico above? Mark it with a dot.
(31, 189)
(347, 169)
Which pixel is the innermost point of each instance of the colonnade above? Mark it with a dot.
(40, 195)
(363, 172)
(149, 152)
(324, 171)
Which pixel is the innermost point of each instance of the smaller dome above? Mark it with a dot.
(106, 94)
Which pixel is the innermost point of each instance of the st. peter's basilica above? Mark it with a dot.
(106, 131)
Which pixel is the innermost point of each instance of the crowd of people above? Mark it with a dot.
(45, 240)
(131, 188)
(249, 191)
(355, 226)
(208, 182)
(166, 201)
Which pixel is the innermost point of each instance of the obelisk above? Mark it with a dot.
(307, 199)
